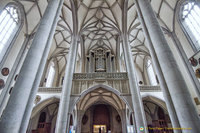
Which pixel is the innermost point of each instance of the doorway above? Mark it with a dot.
(99, 129)
(101, 118)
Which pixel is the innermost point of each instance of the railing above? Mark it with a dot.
(83, 81)
(50, 89)
(59, 89)
(149, 88)
(96, 76)
(43, 128)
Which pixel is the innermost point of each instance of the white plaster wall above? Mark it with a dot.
(183, 40)
(183, 69)
(86, 128)
(158, 95)
(117, 126)
(9, 62)
(45, 96)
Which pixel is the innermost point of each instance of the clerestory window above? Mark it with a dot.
(190, 19)
(9, 25)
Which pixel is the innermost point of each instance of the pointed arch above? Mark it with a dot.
(189, 19)
(11, 21)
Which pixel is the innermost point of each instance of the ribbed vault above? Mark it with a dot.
(99, 24)
(100, 96)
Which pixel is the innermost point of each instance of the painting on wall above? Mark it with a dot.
(2, 83)
(5, 71)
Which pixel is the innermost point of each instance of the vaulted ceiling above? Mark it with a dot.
(100, 96)
(99, 24)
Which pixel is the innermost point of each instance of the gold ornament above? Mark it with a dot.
(197, 73)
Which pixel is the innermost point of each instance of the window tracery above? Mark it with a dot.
(9, 24)
(190, 19)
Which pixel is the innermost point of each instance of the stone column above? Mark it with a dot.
(87, 63)
(13, 113)
(19, 60)
(117, 54)
(189, 68)
(182, 100)
(38, 77)
(108, 62)
(91, 62)
(168, 100)
(123, 120)
(66, 89)
(135, 90)
(83, 57)
(134, 123)
(79, 117)
(68, 123)
(113, 63)
(42, 81)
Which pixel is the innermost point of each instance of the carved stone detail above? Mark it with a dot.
(83, 81)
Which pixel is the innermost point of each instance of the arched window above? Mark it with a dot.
(51, 74)
(190, 19)
(9, 25)
(150, 73)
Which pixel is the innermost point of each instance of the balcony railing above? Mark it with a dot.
(96, 76)
(149, 88)
(83, 81)
(50, 89)
(143, 88)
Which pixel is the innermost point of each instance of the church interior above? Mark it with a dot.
(99, 66)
